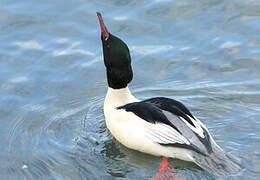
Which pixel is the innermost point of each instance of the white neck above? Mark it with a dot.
(118, 97)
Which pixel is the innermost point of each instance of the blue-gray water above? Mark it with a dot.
(204, 53)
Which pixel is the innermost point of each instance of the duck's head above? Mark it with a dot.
(116, 58)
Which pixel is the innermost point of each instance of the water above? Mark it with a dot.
(52, 83)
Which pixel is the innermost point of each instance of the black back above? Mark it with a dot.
(172, 106)
(148, 112)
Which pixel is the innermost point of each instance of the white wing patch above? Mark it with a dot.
(197, 129)
(201, 124)
(165, 134)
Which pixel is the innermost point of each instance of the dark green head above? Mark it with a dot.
(116, 58)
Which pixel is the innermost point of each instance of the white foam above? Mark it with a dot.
(29, 45)
(19, 79)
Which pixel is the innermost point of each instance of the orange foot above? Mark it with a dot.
(164, 172)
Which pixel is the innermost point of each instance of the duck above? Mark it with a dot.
(158, 126)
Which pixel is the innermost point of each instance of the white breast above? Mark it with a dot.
(118, 121)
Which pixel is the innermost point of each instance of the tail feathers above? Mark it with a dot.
(218, 163)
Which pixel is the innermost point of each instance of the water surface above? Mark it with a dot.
(203, 53)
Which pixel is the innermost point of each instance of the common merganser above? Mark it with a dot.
(158, 126)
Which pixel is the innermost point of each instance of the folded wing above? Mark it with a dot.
(172, 124)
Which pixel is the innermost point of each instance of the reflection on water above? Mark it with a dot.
(52, 83)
